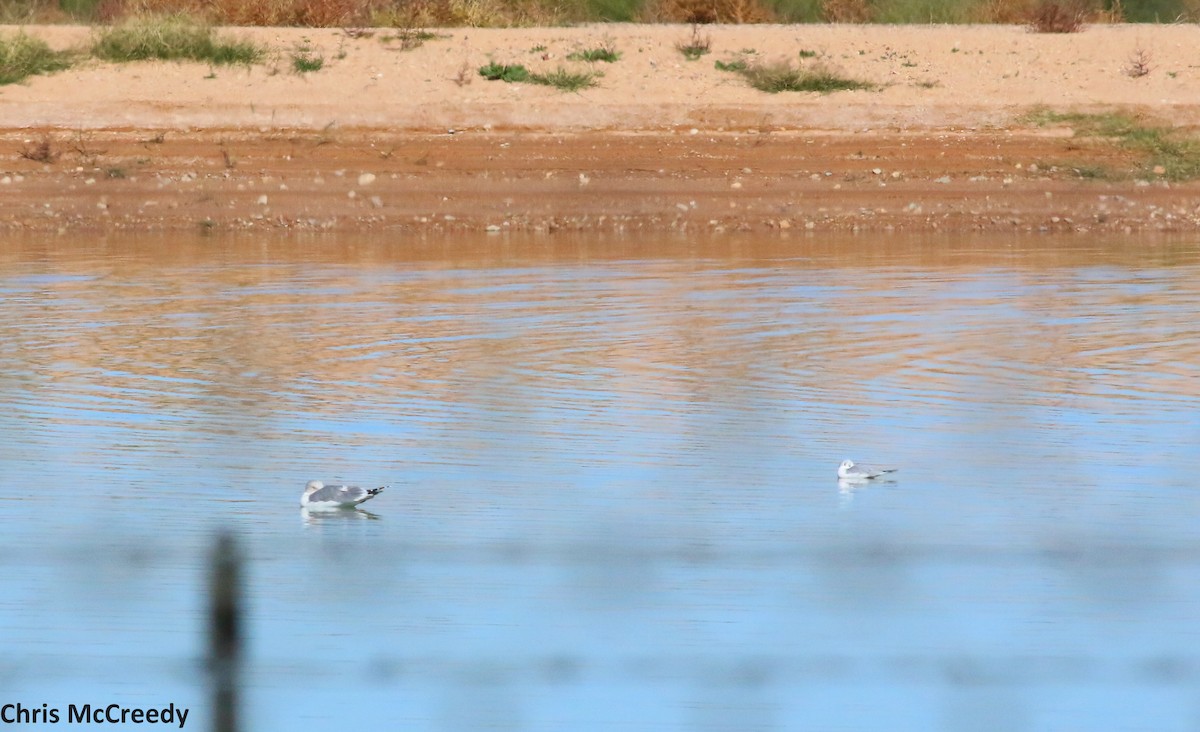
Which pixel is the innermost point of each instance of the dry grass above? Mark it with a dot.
(846, 11)
(1059, 16)
(1114, 13)
(343, 13)
(171, 37)
(42, 151)
(465, 13)
(1138, 64)
(1046, 16)
(1007, 12)
(310, 13)
(696, 46)
(704, 12)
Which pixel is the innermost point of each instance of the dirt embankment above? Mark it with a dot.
(382, 138)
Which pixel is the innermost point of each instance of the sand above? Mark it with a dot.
(382, 138)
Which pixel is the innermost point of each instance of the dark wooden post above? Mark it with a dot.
(225, 632)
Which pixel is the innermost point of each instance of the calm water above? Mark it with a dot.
(612, 502)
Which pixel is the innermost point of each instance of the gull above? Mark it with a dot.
(849, 470)
(318, 495)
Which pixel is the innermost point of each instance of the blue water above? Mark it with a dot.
(612, 500)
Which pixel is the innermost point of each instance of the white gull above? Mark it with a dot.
(318, 495)
(849, 470)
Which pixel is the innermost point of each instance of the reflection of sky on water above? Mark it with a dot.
(613, 499)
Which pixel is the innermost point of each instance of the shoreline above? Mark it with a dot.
(354, 180)
(383, 139)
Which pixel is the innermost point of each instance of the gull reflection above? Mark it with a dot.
(847, 489)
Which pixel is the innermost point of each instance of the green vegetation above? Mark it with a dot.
(303, 63)
(616, 11)
(560, 78)
(565, 80)
(781, 76)
(605, 53)
(171, 37)
(18, 13)
(927, 11)
(1094, 172)
(1042, 15)
(737, 66)
(696, 46)
(504, 72)
(305, 60)
(409, 38)
(1165, 152)
(22, 56)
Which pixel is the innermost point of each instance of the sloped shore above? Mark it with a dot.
(416, 139)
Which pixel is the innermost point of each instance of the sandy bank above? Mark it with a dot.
(416, 139)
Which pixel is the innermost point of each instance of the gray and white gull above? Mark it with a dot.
(850, 470)
(318, 495)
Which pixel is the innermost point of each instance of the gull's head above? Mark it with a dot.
(846, 465)
(313, 486)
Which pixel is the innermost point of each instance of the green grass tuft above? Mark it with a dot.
(410, 38)
(305, 61)
(172, 38)
(565, 80)
(1093, 172)
(781, 76)
(607, 54)
(22, 56)
(504, 72)
(560, 78)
